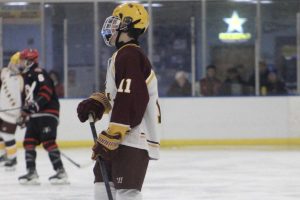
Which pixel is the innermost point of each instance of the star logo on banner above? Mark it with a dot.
(235, 23)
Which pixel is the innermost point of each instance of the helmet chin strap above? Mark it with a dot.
(119, 44)
(120, 30)
(124, 30)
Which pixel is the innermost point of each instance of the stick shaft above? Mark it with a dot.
(9, 109)
(101, 163)
(71, 160)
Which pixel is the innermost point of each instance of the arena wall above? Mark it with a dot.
(204, 121)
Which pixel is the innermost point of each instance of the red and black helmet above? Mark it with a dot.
(30, 54)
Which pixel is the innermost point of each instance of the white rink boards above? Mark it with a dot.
(225, 121)
(202, 174)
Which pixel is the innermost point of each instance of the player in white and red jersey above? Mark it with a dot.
(131, 99)
(11, 86)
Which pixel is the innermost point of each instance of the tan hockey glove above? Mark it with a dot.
(108, 141)
(97, 104)
(102, 98)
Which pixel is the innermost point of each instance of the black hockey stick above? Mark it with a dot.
(75, 163)
(101, 163)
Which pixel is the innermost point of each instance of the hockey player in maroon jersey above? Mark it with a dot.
(41, 106)
(131, 100)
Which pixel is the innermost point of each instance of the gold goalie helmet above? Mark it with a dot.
(125, 18)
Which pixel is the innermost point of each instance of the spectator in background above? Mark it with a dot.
(263, 76)
(59, 88)
(210, 85)
(180, 86)
(233, 85)
(274, 85)
(241, 73)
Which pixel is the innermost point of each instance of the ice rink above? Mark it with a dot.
(202, 174)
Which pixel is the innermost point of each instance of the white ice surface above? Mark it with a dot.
(179, 175)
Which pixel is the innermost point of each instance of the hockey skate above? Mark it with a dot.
(10, 164)
(31, 178)
(60, 178)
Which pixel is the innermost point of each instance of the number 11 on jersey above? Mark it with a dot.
(127, 86)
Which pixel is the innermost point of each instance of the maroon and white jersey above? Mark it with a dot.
(11, 86)
(131, 87)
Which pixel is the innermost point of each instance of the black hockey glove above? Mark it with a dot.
(22, 120)
(88, 106)
(30, 107)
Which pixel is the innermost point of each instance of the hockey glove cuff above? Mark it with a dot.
(106, 146)
(108, 141)
(101, 98)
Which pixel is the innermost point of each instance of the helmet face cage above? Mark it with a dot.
(109, 28)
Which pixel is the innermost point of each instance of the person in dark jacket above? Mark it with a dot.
(210, 85)
(274, 85)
